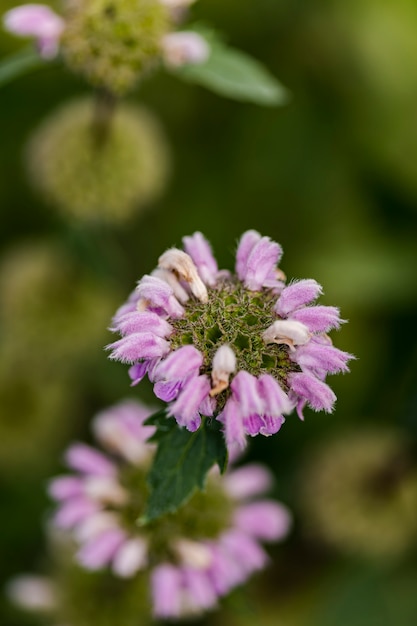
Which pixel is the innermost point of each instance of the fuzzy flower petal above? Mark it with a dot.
(264, 520)
(199, 250)
(318, 319)
(179, 364)
(315, 392)
(155, 294)
(38, 21)
(138, 346)
(261, 263)
(296, 295)
(185, 408)
(166, 586)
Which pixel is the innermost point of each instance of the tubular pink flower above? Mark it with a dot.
(185, 408)
(200, 251)
(230, 345)
(297, 295)
(166, 585)
(179, 364)
(245, 551)
(245, 390)
(141, 322)
(100, 550)
(189, 565)
(200, 590)
(85, 459)
(318, 319)
(318, 395)
(75, 511)
(138, 346)
(321, 359)
(65, 487)
(261, 263)
(248, 481)
(122, 432)
(234, 429)
(130, 558)
(264, 520)
(156, 295)
(38, 21)
(138, 371)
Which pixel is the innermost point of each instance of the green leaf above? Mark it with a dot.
(181, 463)
(235, 74)
(19, 64)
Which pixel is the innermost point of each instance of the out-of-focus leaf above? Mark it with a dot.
(19, 64)
(181, 463)
(234, 74)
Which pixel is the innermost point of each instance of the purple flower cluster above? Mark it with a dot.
(188, 572)
(245, 348)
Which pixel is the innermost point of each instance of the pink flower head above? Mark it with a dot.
(189, 564)
(38, 21)
(245, 348)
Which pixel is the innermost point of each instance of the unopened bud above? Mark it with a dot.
(288, 332)
(224, 364)
(183, 266)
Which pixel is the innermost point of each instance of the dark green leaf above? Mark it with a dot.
(162, 423)
(19, 64)
(235, 74)
(181, 463)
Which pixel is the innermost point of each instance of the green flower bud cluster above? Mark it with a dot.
(114, 42)
(91, 178)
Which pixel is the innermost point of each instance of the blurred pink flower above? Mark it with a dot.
(187, 574)
(38, 21)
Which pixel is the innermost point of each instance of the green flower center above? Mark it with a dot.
(238, 317)
(114, 43)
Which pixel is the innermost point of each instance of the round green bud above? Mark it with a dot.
(99, 171)
(113, 43)
(359, 493)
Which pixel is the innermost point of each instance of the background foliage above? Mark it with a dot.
(332, 176)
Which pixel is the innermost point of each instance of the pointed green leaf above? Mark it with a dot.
(181, 463)
(235, 74)
(19, 64)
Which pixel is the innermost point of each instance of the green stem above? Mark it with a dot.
(105, 104)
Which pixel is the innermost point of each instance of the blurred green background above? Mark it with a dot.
(332, 176)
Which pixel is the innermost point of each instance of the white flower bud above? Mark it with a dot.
(95, 525)
(288, 332)
(224, 364)
(172, 280)
(105, 489)
(183, 266)
(193, 554)
(32, 592)
(130, 558)
(184, 48)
